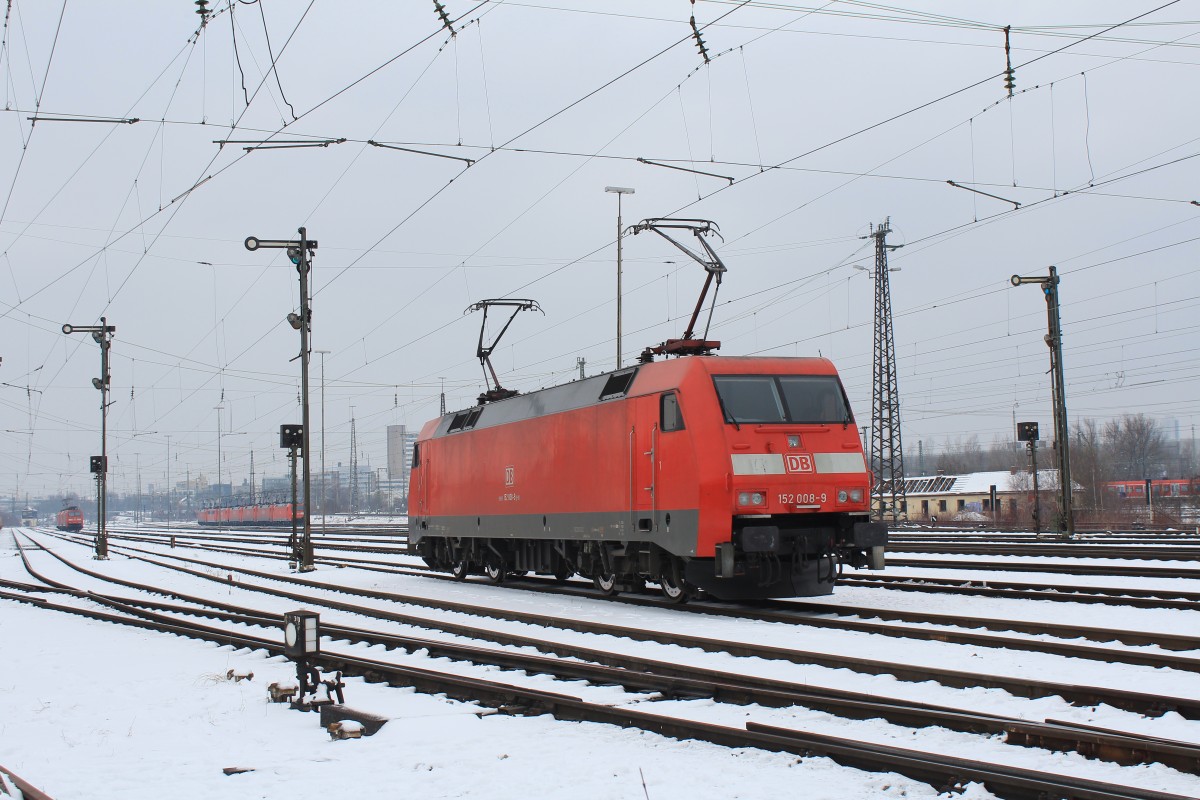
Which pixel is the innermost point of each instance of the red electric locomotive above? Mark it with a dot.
(69, 519)
(739, 477)
(742, 477)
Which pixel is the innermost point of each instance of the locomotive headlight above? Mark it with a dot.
(850, 495)
(856, 495)
(843, 495)
(751, 498)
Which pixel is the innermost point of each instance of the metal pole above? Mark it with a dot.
(306, 563)
(618, 280)
(298, 252)
(102, 475)
(1066, 515)
(297, 553)
(1037, 495)
(218, 408)
(168, 481)
(324, 496)
(1062, 445)
(618, 191)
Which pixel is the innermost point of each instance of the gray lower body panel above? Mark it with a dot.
(673, 530)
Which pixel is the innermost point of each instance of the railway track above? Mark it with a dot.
(1073, 550)
(1138, 598)
(852, 618)
(1117, 596)
(666, 680)
(1079, 695)
(1113, 570)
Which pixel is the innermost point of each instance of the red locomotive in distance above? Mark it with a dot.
(238, 511)
(741, 477)
(69, 519)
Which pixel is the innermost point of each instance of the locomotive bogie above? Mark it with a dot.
(742, 477)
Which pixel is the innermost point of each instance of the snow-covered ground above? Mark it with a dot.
(90, 709)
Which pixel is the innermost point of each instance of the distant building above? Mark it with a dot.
(969, 497)
(400, 444)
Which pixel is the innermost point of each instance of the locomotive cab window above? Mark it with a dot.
(670, 417)
(416, 461)
(811, 399)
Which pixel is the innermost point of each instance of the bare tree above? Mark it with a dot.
(1137, 446)
(961, 456)
(1091, 461)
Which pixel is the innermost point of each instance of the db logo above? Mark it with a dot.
(798, 462)
(509, 476)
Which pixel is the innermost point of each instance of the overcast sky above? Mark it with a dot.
(828, 118)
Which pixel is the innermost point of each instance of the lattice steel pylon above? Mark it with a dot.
(886, 456)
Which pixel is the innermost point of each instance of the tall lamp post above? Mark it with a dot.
(221, 436)
(618, 191)
(169, 509)
(300, 253)
(103, 334)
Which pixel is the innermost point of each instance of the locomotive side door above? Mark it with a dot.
(643, 439)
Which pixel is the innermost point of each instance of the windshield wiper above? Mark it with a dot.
(728, 417)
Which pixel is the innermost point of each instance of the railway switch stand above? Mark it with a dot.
(302, 642)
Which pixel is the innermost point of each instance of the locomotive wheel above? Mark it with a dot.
(673, 588)
(494, 571)
(606, 583)
(460, 568)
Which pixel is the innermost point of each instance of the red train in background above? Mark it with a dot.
(234, 511)
(740, 477)
(1163, 488)
(69, 519)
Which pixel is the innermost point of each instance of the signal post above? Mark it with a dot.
(103, 334)
(300, 252)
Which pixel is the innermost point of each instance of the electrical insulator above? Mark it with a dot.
(1010, 80)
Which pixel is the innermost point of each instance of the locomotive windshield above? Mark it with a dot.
(812, 399)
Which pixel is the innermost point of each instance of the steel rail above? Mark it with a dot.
(785, 612)
(1065, 593)
(1022, 687)
(1066, 569)
(938, 770)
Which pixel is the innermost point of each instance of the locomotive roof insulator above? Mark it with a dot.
(714, 269)
(484, 352)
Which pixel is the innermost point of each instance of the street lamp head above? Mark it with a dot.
(619, 189)
(99, 384)
(294, 320)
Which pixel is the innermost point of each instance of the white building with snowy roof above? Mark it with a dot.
(969, 497)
